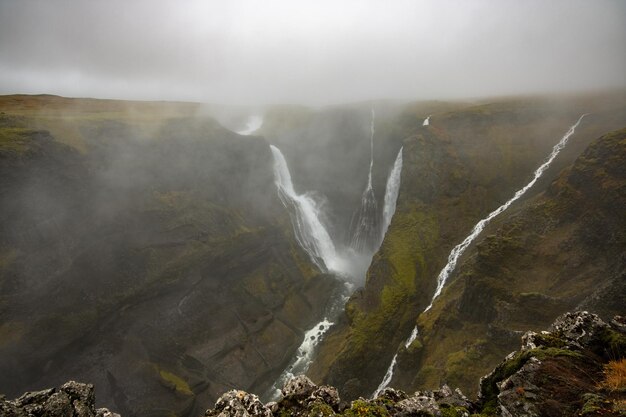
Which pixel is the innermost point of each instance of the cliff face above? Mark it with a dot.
(153, 259)
(458, 169)
(577, 368)
(562, 250)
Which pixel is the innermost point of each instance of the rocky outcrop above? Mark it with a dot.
(561, 372)
(157, 263)
(70, 399)
(455, 171)
(576, 368)
(301, 397)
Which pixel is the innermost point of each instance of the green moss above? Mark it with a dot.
(179, 384)
(593, 404)
(613, 344)
(15, 139)
(508, 368)
(321, 410)
(451, 411)
(413, 232)
(361, 408)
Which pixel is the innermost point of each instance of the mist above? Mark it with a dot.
(323, 52)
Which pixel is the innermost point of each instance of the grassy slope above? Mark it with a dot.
(560, 252)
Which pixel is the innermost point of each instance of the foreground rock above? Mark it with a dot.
(577, 368)
(301, 397)
(71, 399)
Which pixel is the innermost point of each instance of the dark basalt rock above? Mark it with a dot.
(555, 373)
(560, 372)
(557, 370)
(71, 399)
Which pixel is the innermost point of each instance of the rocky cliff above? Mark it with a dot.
(458, 169)
(575, 368)
(146, 253)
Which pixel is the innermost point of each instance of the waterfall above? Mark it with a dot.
(426, 121)
(364, 225)
(312, 337)
(458, 250)
(253, 123)
(369, 177)
(391, 193)
(304, 357)
(308, 229)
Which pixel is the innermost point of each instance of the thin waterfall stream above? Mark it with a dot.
(459, 249)
(365, 224)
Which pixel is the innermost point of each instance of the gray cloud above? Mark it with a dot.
(315, 52)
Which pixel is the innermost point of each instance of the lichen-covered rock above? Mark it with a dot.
(327, 395)
(300, 385)
(518, 393)
(419, 404)
(236, 403)
(104, 412)
(72, 399)
(579, 328)
(454, 398)
(392, 395)
(556, 370)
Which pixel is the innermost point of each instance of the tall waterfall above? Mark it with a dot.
(365, 224)
(309, 230)
(458, 250)
(391, 193)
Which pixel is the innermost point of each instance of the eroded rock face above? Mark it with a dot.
(70, 399)
(301, 397)
(556, 372)
(239, 404)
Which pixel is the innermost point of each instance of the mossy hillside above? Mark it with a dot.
(543, 259)
(178, 259)
(457, 170)
(66, 118)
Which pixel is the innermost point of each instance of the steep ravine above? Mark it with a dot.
(157, 263)
(456, 170)
(561, 251)
(575, 368)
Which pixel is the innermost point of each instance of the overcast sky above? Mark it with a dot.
(311, 52)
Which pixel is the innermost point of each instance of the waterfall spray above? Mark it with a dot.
(308, 229)
(458, 250)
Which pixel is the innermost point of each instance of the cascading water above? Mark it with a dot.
(364, 226)
(391, 193)
(426, 121)
(308, 229)
(304, 356)
(458, 250)
(316, 241)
